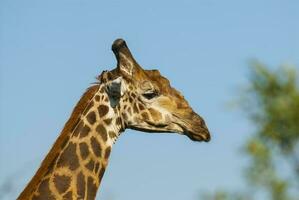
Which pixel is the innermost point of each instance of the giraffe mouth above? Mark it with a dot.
(195, 133)
(195, 128)
(199, 136)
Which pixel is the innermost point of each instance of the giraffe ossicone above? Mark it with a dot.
(125, 97)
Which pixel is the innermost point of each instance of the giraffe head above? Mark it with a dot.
(146, 100)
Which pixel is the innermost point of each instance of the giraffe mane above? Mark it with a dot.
(67, 129)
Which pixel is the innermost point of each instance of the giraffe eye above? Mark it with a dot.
(150, 95)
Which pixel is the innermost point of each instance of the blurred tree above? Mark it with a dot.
(223, 195)
(271, 102)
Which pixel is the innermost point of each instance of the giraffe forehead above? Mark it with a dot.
(173, 95)
(159, 81)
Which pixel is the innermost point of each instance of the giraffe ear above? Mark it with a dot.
(115, 90)
(126, 63)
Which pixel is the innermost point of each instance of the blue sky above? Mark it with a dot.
(51, 51)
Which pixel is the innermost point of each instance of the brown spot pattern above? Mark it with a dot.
(90, 165)
(91, 117)
(112, 134)
(103, 110)
(108, 121)
(91, 188)
(97, 98)
(107, 152)
(118, 121)
(68, 196)
(84, 131)
(125, 116)
(130, 99)
(44, 191)
(141, 107)
(69, 157)
(101, 173)
(84, 152)
(62, 183)
(155, 114)
(135, 109)
(145, 116)
(96, 147)
(80, 185)
(102, 131)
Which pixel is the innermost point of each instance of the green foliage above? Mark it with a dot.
(271, 103)
(274, 97)
(222, 195)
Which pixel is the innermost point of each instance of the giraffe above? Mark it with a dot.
(125, 97)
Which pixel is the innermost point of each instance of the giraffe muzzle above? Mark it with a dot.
(198, 130)
(201, 134)
(195, 128)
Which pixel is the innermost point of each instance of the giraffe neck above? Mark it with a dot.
(76, 163)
